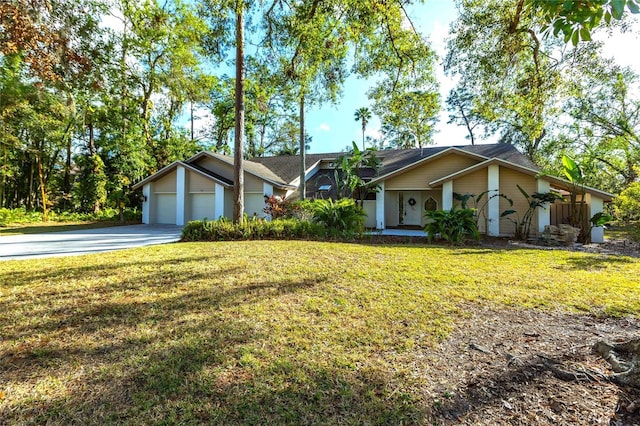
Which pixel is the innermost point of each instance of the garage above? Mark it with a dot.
(165, 211)
(202, 206)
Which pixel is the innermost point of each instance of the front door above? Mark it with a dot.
(410, 208)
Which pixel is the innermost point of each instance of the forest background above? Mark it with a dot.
(95, 94)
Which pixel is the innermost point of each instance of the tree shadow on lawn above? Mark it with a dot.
(595, 262)
(60, 269)
(194, 364)
(79, 309)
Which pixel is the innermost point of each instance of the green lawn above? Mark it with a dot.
(263, 332)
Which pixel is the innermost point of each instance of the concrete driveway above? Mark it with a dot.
(73, 243)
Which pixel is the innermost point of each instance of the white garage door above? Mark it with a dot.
(203, 206)
(166, 208)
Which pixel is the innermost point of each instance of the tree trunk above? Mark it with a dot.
(43, 190)
(303, 165)
(238, 169)
(191, 117)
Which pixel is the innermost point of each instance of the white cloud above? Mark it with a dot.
(324, 127)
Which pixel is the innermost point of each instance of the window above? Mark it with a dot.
(430, 205)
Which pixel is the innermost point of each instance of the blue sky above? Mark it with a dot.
(333, 127)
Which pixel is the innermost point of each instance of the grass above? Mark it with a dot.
(263, 332)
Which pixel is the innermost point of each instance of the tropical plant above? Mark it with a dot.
(535, 201)
(452, 225)
(363, 115)
(343, 217)
(479, 203)
(349, 183)
(278, 208)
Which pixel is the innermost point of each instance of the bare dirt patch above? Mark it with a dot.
(490, 371)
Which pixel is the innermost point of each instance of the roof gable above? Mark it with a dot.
(171, 167)
(564, 184)
(256, 169)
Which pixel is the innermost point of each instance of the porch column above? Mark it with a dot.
(493, 206)
(180, 195)
(544, 213)
(447, 195)
(380, 207)
(146, 203)
(219, 202)
(597, 233)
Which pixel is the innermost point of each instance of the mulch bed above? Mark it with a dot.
(489, 371)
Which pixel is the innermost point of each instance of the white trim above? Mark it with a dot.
(544, 213)
(493, 206)
(146, 203)
(380, 207)
(181, 184)
(597, 232)
(307, 175)
(219, 202)
(447, 195)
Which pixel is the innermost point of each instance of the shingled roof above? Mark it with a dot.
(288, 166)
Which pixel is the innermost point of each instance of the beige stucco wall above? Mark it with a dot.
(253, 184)
(220, 167)
(474, 183)
(196, 183)
(419, 177)
(166, 183)
(508, 181)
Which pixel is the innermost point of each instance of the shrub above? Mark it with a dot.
(452, 225)
(22, 216)
(225, 230)
(627, 204)
(342, 218)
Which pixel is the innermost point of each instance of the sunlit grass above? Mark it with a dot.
(263, 332)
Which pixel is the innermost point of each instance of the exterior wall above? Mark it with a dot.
(228, 203)
(197, 183)
(380, 206)
(544, 213)
(146, 203)
(425, 195)
(370, 209)
(181, 196)
(474, 183)
(254, 205)
(419, 177)
(508, 181)
(596, 206)
(391, 208)
(166, 183)
(253, 184)
(220, 167)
